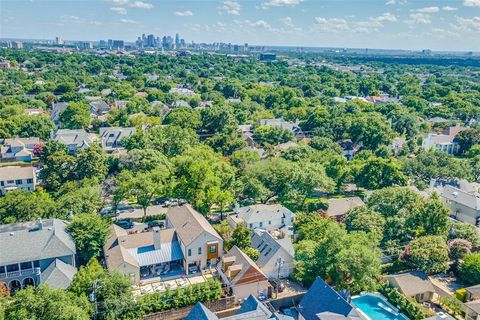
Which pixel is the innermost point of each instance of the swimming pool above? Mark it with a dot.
(376, 307)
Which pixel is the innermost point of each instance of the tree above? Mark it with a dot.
(92, 163)
(75, 116)
(372, 130)
(432, 218)
(365, 219)
(75, 197)
(144, 160)
(183, 117)
(89, 231)
(460, 230)
(458, 248)
(44, 303)
(242, 158)
(469, 269)
(467, 138)
(58, 168)
(429, 254)
(22, 206)
(113, 291)
(435, 165)
(204, 178)
(272, 135)
(171, 140)
(241, 237)
(378, 173)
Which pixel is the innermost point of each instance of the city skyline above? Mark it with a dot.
(390, 24)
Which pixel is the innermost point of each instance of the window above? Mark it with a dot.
(26, 265)
(36, 264)
(250, 226)
(18, 181)
(1, 183)
(29, 180)
(189, 252)
(12, 267)
(213, 249)
(2, 269)
(269, 221)
(261, 224)
(199, 250)
(10, 181)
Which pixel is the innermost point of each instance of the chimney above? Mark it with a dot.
(156, 238)
(237, 208)
(40, 224)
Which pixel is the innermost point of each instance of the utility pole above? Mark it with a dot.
(279, 264)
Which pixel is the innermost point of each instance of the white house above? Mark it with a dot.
(264, 216)
(275, 254)
(15, 177)
(201, 245)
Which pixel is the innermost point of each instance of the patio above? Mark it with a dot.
(161, 284)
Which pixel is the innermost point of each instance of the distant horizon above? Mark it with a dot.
(449, 26)
(406, 50)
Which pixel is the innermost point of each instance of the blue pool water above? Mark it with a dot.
(376, 308)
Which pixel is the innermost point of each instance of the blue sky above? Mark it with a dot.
(402, 24)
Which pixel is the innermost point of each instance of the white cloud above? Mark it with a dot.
(427, 10)
(471, 3)
(141, 5)
(387, 16)
(332, 24)
(260, 24)
(368, 26)
(418, 18)
(448, 8)
(119, 10)
(280, 3)
(230, 7)
(129, 21)
(467, 25)
(69, 18)
(287, 21)
(120, 2)
(187, 13)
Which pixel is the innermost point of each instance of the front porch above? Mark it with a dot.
(161, 271)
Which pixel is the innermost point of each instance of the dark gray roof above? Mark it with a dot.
(23, 242)
(267, 246)
(322, 302)
(251, 309)
(412, 283)
(200, 312)
(58, 274)
(474, 290)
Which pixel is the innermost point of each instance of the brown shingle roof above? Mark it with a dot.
(189, 224)
(249, 271)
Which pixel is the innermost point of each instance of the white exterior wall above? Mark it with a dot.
(244, 290)
(271, 271)
(5, 185)
(201, 242)
(461, 212)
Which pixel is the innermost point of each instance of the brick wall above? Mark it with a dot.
(177, 314)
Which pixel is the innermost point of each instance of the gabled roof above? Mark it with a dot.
(468, 199)
(200, 312)
(21, 242)
(267, 246)
(78, 137)
(474, 290)
(340, 206)
(58, 274)
(263, 212)
(322, 302)
(249, 271)
(16, 172)
(189, 224)
(412, 283)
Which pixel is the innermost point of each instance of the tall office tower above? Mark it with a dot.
(177, 40)
(150, 41)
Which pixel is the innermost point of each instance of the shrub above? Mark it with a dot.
(451, 304)
(411, 308)
(461, 294)
(469, 269)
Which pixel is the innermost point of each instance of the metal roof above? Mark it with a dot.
(168, 252)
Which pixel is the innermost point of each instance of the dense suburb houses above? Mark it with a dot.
(187, 185)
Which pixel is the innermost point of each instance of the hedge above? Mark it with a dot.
(410, 308)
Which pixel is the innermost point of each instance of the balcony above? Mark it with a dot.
(20, 273)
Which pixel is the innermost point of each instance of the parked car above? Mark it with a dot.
(125, 224)
(156, 223)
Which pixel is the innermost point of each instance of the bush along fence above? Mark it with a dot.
(182, 297)
(410, 308)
